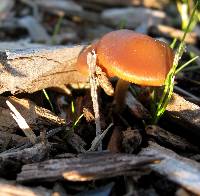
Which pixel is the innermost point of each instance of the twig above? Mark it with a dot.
(22, 146)
(91, 61)
(97, 140)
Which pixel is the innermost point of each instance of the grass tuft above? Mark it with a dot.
(169, 82)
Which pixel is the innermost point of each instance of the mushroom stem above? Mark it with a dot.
(120, 94)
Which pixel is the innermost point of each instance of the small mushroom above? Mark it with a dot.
(132, 57)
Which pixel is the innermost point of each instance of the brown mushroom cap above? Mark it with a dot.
(131, 56)
(135, 57)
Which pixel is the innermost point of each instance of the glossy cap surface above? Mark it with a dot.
(135, 57)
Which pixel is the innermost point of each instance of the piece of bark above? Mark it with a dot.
(4, 46)
(136, 108)
(131, 140)
(8, 188)
(76, 142)
(39, 33)
(145, 3)
(69, 8)
(36, 117)
(42, 138)
(171, 32)
(8, 139)
(33, 69)
(28, 155)
(10, 163)
(184, 113)
(86, 167)
(180, 170)
(116, 16)
(171, 140)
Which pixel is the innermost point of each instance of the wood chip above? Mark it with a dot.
(11, 140)
(15, 159)
(39, 34)
(69, 8)
(184, 113)
(116, 16)
(180, 170)
(23, 70)
(86, 167)
(169, 139)
(145, 3)
(136, 108)
(76, 142)
(131, 140)
(36, 117)
(168, 31)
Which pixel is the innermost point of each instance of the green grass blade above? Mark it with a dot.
(48, 99)
(169, 82)
(172, 45)
(186, 64)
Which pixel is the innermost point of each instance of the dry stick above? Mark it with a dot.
(97, 140)
(28, 144)
(22, 123)
(91, 61)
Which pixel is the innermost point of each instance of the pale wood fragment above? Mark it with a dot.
(182, 171)
(168, 31)
(184, 113)
(22, 123)
(86, 167)
(33, 69)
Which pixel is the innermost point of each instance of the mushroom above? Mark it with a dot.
(132, 57)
